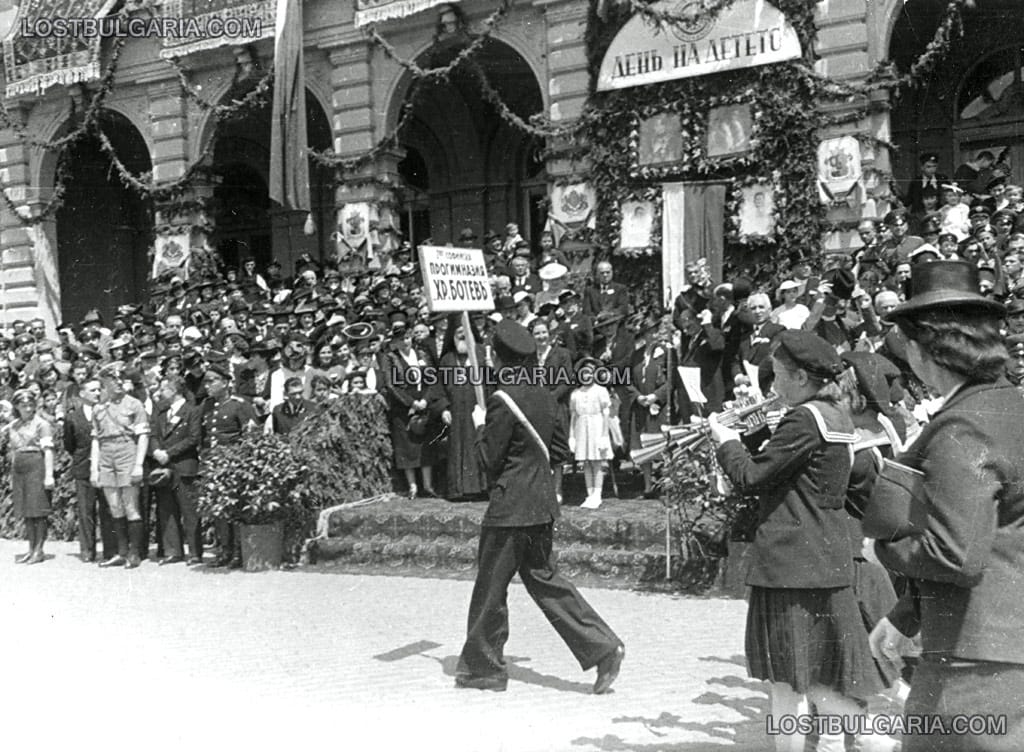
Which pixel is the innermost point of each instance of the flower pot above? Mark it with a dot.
(262, 546)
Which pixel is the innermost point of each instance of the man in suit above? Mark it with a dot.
(605, 295)
(520, 436)
(930, 177)
(295, 408)
(521, 276)
(174, 448)
(701, 347)
(576, 332)
(615, 346)
(78, 443)
(755, 347)
(900, 245)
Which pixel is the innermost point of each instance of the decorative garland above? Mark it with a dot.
(443, 72)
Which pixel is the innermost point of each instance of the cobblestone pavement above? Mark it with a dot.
(164, 658)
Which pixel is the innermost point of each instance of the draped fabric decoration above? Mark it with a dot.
(32, 63)
(372, 11)
(356, 228)
(693, 227)
(289, 164)
(252, 20)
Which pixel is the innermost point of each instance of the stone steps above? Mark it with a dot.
(451, 557)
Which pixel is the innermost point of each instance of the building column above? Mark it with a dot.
(29, 283)
(173, 145)
(355, 132)
(568, 79)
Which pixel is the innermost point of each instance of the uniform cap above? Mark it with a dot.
(810, 353)
(513, 338)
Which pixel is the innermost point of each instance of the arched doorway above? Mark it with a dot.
(247, 222)
(104, 229)
(465, 166)
(973, 101)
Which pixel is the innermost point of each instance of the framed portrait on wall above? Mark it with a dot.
(757, 210)
(730, 128)
(661, 140)
(637, 223)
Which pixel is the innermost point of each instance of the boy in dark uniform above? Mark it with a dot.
(520, 436)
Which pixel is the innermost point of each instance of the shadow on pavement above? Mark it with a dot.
(746, 734)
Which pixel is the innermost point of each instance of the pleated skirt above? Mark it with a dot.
(807, 637)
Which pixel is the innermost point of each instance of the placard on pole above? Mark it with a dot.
(456, 280)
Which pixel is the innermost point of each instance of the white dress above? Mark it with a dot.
(589, 407)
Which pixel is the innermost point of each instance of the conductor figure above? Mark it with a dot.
(522, 436)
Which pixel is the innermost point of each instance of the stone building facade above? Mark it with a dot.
(455, 165)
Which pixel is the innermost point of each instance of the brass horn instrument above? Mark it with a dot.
(687, 437)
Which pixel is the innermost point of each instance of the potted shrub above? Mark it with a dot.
(255, 484)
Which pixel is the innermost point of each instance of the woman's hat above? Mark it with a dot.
(606, 318)
(23, 395)
(945, 284)
(358, 332)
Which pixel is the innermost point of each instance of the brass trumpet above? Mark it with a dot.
(688, 437)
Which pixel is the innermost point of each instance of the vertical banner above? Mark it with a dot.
(673, 267)
(692, 227)
(289, 166)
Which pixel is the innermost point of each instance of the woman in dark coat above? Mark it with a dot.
(965, 550)
(406, 397)
(454, 402)
(804, 630)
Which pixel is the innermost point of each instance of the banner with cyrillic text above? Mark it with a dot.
(745, 34)
(455, 279)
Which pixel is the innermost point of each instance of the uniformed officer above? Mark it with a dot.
(225, 418)
(521, 437)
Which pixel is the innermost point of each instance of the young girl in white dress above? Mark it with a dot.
(589, 440)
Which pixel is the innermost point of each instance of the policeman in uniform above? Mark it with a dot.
(225, 418)
(520, 436)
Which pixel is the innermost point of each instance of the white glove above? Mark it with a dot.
(479, 416)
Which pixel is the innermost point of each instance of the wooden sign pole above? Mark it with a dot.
(473, 360)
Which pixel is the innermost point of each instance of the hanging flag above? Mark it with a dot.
(289, 168)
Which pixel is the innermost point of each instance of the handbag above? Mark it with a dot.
(417, 426)
(898, 506)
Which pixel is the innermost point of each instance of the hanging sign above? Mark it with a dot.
(455, 279)
(746, 34)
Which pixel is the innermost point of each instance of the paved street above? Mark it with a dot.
(168, 658)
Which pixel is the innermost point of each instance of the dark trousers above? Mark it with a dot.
(90, 500)
(527, 550)
(177, 516)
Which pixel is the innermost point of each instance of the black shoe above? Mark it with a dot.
(114, 561)
(652, 494)
(491, 683)
(608, 670)
(221, 561)
(133, 562)
(428, 493)
(22, 558)
(171, 560)
(87, 558)
(235, 564)
(194, 561)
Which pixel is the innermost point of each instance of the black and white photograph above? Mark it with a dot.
(512, 375)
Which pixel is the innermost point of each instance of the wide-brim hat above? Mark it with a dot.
(358, 332)
(606, 318)
(945, 284)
